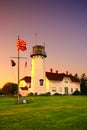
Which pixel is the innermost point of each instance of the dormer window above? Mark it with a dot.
(66, 80)
(41, 82)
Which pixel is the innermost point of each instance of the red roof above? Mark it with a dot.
(53, 76)
(24, 88)
(27, 79)
(60, 76)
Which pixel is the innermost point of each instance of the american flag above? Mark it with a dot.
(21, 45)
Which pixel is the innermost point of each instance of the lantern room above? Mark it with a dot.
(38, 50)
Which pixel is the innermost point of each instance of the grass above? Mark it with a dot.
(44, 113)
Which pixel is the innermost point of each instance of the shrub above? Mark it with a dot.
(31, 94)
(45, 94)
(1, 93)
(76, 92)
(56, 94)
(35, 94)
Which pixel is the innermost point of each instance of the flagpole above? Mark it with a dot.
(18, 73)
(21, 45)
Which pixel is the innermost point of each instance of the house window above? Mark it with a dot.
(60, 89)
(66, 80)
(41, 82)
(54, 89)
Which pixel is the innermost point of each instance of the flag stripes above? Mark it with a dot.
(21, 45)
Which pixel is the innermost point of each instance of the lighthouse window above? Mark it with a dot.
(41, 82)
(60, 89)
(39, 51)
(71, 89)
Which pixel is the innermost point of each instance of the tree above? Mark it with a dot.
(76, 75)
(83, 84)
(13, 89)
(10, 88)
(1, 93)
(83, 75)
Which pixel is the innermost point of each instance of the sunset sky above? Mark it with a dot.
(60, 24)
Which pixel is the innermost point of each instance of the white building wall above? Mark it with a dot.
(59, 86)
(72, 86)
(37, 73)
(47, 85)
(24, 92)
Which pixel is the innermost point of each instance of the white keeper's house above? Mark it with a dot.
(41, 82)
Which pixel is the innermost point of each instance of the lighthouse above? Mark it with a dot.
(38, 83)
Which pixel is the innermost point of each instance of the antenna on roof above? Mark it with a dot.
(35, 38)
(44, 44)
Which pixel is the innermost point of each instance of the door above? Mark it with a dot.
(66, 90)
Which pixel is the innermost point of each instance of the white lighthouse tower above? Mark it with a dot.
(38, 84)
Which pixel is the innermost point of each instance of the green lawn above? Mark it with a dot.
(44, 113)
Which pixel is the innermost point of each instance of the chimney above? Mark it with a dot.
(51, 70)
(66, 72)
(56, 71)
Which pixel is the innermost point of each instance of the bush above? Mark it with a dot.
(45, 94)
(76, 92)
(1, 93)
(35, 94)
(56, 94)
(31, 94)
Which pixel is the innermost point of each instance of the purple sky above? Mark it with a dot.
(60, 24)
